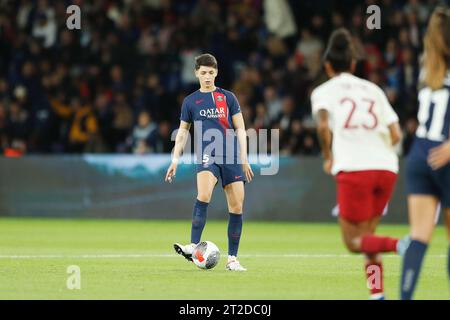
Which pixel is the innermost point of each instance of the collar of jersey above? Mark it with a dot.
(217, 89)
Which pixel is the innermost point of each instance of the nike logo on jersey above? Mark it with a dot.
(199, 101)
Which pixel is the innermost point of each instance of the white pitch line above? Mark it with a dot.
(156, 255)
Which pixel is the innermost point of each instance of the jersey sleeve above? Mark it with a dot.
(186, 115)
(319, 101)
(233, 104)
(389, 115)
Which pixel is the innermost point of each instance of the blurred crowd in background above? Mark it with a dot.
(117, 84)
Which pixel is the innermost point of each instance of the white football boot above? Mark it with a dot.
(234, 264)
(186, 251)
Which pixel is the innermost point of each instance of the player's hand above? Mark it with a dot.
(247, 171)
(327, 164)
(171, 172)
(439, 156)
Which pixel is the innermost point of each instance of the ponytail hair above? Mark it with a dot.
(340, 51)
(437, 48)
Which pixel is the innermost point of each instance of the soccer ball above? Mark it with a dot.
(206, 255)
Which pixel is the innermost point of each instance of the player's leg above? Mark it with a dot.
(352, 233)
(374, 267)
(423, 199)
(447, 223)
(384, 184)
(444, 182)
(353, 196)
(422, 210)
(371, 243)
(360, 209)
(235, 199)
(361, 200)
(206, 181)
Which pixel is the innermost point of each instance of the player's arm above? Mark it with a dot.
(395, 132)
(325, 138)
(180, 142)
(390, 118)
(239, 125)
(439, 156)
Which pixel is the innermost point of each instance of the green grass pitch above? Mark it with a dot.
(129, 259)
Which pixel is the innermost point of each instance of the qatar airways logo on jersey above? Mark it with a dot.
(213, 113)
(213, 145)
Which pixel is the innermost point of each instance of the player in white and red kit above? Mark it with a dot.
(358, 129)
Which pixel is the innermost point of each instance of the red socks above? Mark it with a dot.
(374, 273)
(371, 244)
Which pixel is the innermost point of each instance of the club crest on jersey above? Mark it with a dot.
(220, 98)
(213, 113)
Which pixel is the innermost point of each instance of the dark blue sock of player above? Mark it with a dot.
(412, 263)
(234, 233)
(198, 220)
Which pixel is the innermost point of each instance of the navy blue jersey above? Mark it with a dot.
(434, 119)
(212, 110)
(434, 126)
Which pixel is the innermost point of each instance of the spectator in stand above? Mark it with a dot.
(273, 102)
(160, 140)
(82, 123)
(17, 128)
(284, 121)
(134, 56)
(122, 122)
(141, 133)
(262, 119)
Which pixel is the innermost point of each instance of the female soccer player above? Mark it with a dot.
(213, 110)
(428, 164)
(357, 128)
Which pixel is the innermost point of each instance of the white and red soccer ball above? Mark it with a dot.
(206, 255)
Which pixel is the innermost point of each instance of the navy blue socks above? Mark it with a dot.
(412, 262)
(234, 233)
(234, 227)
(198, 220)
